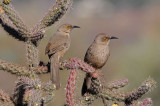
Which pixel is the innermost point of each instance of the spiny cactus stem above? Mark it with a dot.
(21, 70)
(70, 95)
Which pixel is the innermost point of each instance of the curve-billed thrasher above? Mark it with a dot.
(96, 55)
(57, 46)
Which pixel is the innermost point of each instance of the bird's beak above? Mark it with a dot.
(75, 26)
(112, 37)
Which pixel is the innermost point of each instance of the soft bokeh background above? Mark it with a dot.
(136, 55)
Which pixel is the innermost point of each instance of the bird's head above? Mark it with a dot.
(67, 28)
(103, 38)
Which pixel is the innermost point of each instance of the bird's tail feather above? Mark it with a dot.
(54, 70)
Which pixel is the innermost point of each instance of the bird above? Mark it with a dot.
(57, 46)
(97, 55)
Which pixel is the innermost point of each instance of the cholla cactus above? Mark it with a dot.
(29, 89)
(29, 92)
(146, 86)
(109, 91)
(14, 25)
(145, 102)
(70, 95)
(117, 84)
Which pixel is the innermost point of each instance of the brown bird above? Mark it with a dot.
(57, 46)
(96, 55)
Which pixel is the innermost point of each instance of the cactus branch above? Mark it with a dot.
(76, 63)
(32, 54)
(145, 102)
(70, 95)
(146, 86)
(109, 91)
(22, 29)
(117, 84)
(53, 15)
(28, 92)
(21, 70)
(9, 27)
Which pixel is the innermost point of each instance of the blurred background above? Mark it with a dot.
(135, 55)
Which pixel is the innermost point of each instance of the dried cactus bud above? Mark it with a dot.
(115, 104)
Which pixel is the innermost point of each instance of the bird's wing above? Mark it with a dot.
(56, 43)
(88, 54)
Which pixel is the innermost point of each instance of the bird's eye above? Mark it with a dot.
(67, 27)
(104, 37)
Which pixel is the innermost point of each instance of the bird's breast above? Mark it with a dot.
(97, 55)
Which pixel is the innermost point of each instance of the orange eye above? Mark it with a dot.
(67, 27)
(104, 38)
